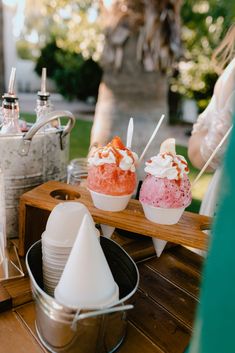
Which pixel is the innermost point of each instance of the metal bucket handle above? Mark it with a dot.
(90, 314)
(27, 138)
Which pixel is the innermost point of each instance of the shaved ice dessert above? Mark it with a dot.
(112, 176)
(166, 190)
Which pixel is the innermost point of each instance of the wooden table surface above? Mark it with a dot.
(164, 305)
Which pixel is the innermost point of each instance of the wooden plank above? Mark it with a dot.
(14, 337)
(33, 225)
(5, 299)
(22, 227)
(140, 250)
(189, 258)
(19, 290)
(136, 246)
(176, 272)
(165, 293)
(169, 334)
(27, 314)
(188, 231)
(135, 341)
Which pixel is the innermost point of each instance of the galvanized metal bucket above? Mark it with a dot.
(62, 329)
(31, 159)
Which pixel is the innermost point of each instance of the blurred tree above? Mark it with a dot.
(74, 76)
(77, 28)
(73, 25)
(142, 42)
(204, 23)
(64, 37)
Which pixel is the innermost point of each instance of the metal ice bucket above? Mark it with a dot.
(62, 329)
(31, 159)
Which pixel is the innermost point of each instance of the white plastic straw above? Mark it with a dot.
(12, 81)
(212, 156)
(129, 136)
(43, 80)
(151, 138)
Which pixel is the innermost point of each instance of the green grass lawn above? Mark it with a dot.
(79, 144)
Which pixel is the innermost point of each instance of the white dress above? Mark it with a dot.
(215, 120)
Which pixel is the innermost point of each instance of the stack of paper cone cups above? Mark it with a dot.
(87, 281)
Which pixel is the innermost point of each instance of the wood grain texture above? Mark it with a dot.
(176, 272)
(5, 299)
(168, 295)
(14, 337)
(189, 258)
(137, 342)
(27, 314)
(188, 231)
(19, 290)
(160, 326)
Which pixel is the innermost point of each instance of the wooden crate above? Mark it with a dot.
(36, 205)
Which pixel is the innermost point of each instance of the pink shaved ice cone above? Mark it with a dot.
(165, 193)
(166, 190)
(164, 200)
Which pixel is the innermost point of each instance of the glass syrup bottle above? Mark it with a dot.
(10, 109)
(44, 106)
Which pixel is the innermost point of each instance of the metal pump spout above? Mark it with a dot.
(43, 94)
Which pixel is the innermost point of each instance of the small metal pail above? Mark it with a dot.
(62, 329)
(30, 159)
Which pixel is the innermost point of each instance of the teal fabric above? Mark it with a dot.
(214, 330)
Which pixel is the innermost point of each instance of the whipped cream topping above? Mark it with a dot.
(125, 159)
(167, 165)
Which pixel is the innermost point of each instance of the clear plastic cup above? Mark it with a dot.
(77, 171)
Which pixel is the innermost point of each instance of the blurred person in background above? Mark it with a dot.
(213, 123)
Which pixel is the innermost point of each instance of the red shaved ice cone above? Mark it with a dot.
(111, 176)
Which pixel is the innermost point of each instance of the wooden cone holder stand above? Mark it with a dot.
(36, 205)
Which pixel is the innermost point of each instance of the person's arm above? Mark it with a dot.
(194, 149)
(214, 122)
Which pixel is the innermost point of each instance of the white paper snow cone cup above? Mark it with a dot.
(107, 230)
(109, 202)
(64, 222)
(167, 216)
(160, 215)
(87, 281)
(159, 245)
